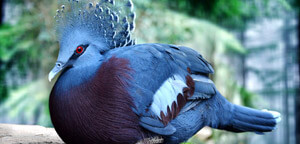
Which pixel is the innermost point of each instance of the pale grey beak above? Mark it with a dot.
(57, 68)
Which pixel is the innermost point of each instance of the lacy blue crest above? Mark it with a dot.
(113, 21)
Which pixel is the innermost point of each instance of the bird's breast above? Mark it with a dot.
(99, 110)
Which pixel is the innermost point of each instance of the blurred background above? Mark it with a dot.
(253, 46)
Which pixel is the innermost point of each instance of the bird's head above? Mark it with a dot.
(86, 30)
(78, 50)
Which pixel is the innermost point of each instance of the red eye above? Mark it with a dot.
(79, 50)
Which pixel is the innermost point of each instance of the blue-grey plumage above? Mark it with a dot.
(155, 63)
(114, 91)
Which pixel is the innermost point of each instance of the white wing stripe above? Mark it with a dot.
(201, 78)
(167, 94)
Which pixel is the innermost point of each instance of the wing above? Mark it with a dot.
(168, 80)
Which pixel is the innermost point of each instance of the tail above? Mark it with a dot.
(250, 120)
(244, 119)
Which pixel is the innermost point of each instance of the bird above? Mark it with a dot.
(112, 90)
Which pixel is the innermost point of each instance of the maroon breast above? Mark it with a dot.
(98, 111)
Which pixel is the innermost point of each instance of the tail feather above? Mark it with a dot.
(222, 114)
(250, 120)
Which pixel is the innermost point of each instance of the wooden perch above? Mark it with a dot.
(32, 134)
(28, 134)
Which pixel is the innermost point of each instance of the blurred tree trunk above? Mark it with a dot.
(243, 40)
(1, 11)
(3, 89)
(297, 97)
(287, 46)
(243, 59)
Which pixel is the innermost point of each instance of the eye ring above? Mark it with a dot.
(79, 50)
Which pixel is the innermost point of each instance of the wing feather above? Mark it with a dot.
(173, 75)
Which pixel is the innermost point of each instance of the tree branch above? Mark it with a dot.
(27, 134)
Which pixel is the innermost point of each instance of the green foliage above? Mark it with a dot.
(233, 14)
(28, 104)
(166, 26)
(247, 97)
(3, 86)
(24, 55)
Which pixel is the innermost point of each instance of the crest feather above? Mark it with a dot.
(113, 21)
